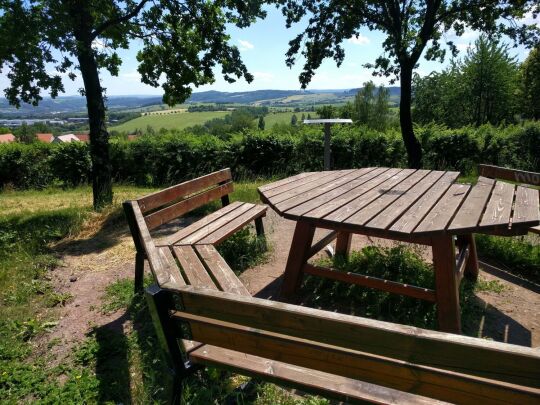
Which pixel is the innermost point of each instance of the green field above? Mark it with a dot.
(284, 117)
(169, 121)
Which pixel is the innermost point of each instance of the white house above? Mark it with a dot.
(66, 138)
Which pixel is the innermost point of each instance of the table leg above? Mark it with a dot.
(471, 269)
(446, 284)
(298, 256)
(343, 243)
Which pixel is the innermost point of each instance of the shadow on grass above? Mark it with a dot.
(402, 264)
(109, 233)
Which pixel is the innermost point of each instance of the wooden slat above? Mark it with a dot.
(333, 194)
(412, 217)
(194, 270)
(371, 282)
(219, 235)
(489, 359)
(173, 211)
(321, 180)
(314, 193)
(375, 207)
(391, 213)
(294, 184)
(166, 274)
(201, 223)
(220, 270)
(401, 375)
(215, 225)
(163, 197)
(330, 206)
(470, 212)
(535, 229)
(341, 214)
(499, 206)
(526, 210)
(442, 213)
(519, 176)
(313, 381)
(287, 180)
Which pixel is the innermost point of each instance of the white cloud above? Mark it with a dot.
(359, 40)
(132, 76)
(245, 45)
(263, 76)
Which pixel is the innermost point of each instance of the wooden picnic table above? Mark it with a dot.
(417, 206)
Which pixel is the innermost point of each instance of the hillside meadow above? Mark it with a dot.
(177, 120)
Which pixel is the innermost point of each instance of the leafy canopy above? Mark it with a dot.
(411, 27)
(182, 41)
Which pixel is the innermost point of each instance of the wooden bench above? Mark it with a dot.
(164, 206)
(204, 316)
(517, 176)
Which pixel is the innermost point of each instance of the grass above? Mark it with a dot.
(178, 120)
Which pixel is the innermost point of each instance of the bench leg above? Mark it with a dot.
(159, 303)
(259, 227)
(139, 272)
(298, 256)
(446, 284)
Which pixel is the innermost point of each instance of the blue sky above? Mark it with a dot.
(263, 47)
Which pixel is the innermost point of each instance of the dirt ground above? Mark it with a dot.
(90, 266)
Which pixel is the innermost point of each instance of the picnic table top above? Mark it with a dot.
(390, 201)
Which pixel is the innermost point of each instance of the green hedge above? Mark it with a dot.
(165, 159)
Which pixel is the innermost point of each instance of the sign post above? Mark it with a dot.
(327, 135)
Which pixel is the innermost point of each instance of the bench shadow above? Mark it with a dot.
(131, 339)
(109, 233)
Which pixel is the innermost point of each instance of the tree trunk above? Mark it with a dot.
(99, 137)
(413, 147)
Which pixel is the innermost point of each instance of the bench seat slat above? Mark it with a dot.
(201, 223)
(223, 221)
(330, 385)
(231, 227)
(193, 268)
(221, 271)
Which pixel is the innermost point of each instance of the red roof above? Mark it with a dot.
(83, 137)
(45, 137)
(5, 138)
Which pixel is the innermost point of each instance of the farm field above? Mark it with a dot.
(284, 117)
(169, 121)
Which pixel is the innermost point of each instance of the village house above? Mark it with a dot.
(6, 138)
(66, 139)
(47, 138)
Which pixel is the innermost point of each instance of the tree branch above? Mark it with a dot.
(119, 20)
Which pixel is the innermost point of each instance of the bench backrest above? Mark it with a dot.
(439, 365)
(503, 173)
(163, 206)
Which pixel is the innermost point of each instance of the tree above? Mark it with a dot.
(371, 106)
(261, 124)
(181, 43)
(489, 75)
(294, 120)
(530, 85)
(479, 89)
(326, 112)
(410, 26)
(24, 134)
